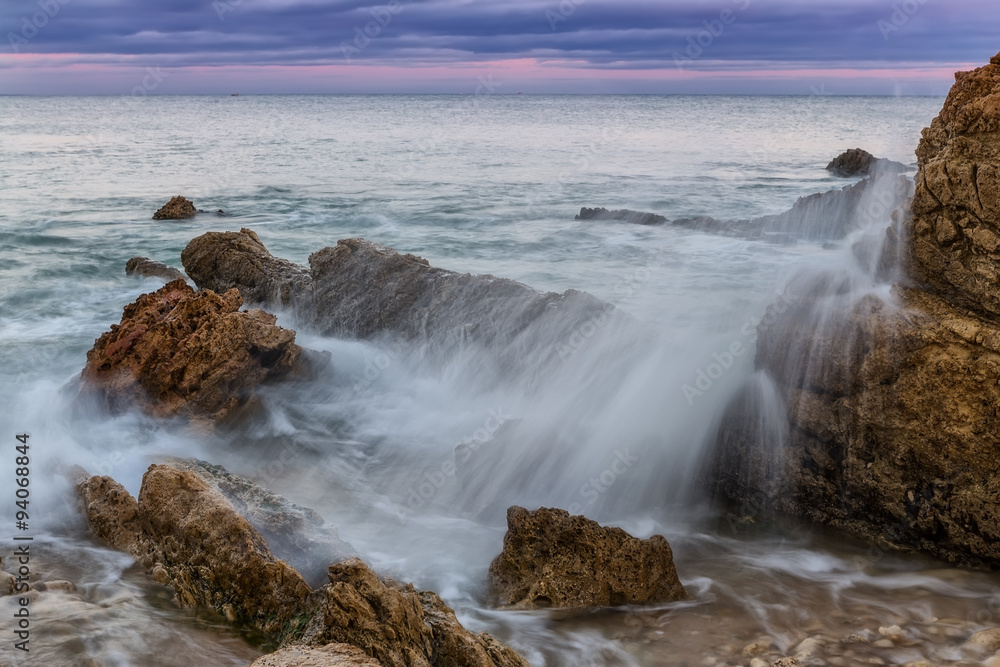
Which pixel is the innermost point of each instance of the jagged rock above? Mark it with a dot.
(550, 558)
(360, 289)
(890, 428)
(177, 208)
(954, 232)
(331, 655)
(297, 535)
(182, 353)
(193, 538)
(144, 267)
(637, 217)
(858, 162)
(397, 624)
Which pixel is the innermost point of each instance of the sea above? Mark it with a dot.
(481, 184)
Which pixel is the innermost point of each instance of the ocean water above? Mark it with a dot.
(480, 184)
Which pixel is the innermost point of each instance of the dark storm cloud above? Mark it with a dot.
(619, 34)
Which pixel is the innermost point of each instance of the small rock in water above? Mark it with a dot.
(178, 208)
(786, 662)
(757, 662)
(893, 632)
(855, 638)
(808, 648)
(759, 647)
(883, 643)
(64, 586)
(144, 267)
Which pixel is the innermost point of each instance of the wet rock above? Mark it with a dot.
(144, 267)
(954, 231)
(331, 655)
(195, 541)
(112, 513)
(550, 558)
(786, 662)
(221, 261)
(626, 215)
(181, 353)
(858, 162)
(178, 208)
(191, 537)
(893, 632)
(397, 624)
(297, 535)
(889, 427)
(758, 662)
(212, 556)
(359, 289)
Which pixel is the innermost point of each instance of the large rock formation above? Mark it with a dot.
(360, 289)
(190, 536)
(178, 352)
(890, 426)
(955, 243)
(552, 559)
(178, 208)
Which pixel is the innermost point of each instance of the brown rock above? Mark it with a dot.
(177, 208)
(955, 226)
(397, 624)
(360, 289)
(144, 267)
(112, 512)
(191, 537)
(331, 655)
(212, 556)
(858, 162)
(550, 558)
(182, 353)
(221, 261)
(889, 426)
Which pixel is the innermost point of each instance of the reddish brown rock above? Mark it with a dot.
(178, 352)
(552, 559)
(112, 512)
(178, 208)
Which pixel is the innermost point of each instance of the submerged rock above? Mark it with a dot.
(889, 426)
(552, 559)
(858, 162)
(190, 536)
(178, 208)
(178, 352)
(144, 267)
(637, 217)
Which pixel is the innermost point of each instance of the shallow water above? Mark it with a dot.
(479, 184)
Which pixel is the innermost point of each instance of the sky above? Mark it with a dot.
(826, 47)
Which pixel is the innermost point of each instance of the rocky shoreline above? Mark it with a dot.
(890, 430)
